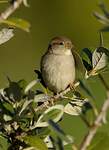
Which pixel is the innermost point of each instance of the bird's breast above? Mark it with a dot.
(58, 71)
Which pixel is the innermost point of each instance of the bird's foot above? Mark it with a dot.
(51, 101)
(72, 86)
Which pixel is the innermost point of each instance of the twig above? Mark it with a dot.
(101, 118)
(4, 15)
(54, 98)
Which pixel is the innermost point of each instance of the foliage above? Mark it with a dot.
(18, 22)
(22, 125)
(103, 18)
(30, 116)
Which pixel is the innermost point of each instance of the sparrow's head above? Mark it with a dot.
(60, 46)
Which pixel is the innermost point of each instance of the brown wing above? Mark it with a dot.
(39, 73)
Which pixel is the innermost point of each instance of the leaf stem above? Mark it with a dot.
(85, 120)
(104, 82)
(101, 40)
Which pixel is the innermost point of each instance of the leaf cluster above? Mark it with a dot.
(23, 126)
(103, 18)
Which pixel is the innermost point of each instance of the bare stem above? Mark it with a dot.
(4, 15)
(101, 118)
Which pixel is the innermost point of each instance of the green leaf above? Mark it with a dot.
(35, 142)
(8, 107)
(101, 18)
(60, 133)
(31, 85)
(7, 117)
(43, 132)
(100, 59)
(76, 106)
(41, 98)
(86, 55)
(25, 2)
(55, 113)
(25, 105)
(3, 143)
(104, 9)
(19, 23)
(5, 35)
(80, 69)
(24, 123)
(100, 142)
(14, 92)
(105, 29)
(22, 83)
(85, 88)
(29, 148)
(49, 142)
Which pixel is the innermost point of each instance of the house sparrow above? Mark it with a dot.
(58, 64)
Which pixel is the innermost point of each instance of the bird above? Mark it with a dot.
(58, 64)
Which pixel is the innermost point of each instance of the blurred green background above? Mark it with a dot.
(73, 18)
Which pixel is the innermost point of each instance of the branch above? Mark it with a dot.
(53, 99)
(101, 118)
(4, 15)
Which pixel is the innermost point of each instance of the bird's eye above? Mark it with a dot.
(61, 43)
